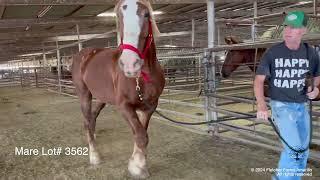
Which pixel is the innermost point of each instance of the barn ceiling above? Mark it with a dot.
(30, 26)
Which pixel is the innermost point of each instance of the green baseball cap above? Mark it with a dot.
(296, 19)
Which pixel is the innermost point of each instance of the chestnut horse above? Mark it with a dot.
(235, 58)
(114, 76)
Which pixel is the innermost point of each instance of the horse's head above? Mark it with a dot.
(233, 59)
(136, 26)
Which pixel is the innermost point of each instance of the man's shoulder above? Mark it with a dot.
(310, 47)
(275, 50)
(311, 50)
(277, 47)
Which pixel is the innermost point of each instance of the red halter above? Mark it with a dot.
(143, 54)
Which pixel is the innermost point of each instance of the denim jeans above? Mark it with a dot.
(293, 122)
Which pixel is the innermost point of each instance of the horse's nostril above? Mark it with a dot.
(131, 74)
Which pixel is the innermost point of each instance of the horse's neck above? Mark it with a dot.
(252, 55)
(251, 58)
(151, 56)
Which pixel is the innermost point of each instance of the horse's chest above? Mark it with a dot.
(149, 91)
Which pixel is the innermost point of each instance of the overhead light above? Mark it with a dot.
(44, 11)
(112, 14)
(237, 9)
(107, 14)
(168, 45)
(225, 9)
(33, 54)
(5, 67)
(27, 28)
(223, 57)
(304, 2)
(157, 12)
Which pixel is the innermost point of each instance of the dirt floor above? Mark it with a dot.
(36, 118)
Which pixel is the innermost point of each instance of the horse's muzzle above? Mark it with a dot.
(132, 74)
(224, 74)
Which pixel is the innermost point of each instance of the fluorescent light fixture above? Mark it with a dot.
(5, 67)
(33, 54)
(224, 9)
(223, 57)
(304, 2)
(237, 9)
(157, 12)
(107, 14)
(44, 11)
(112, 14)
(27, 28)
(168, 45)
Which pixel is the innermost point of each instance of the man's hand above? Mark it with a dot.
(312, 94)
(262, 111)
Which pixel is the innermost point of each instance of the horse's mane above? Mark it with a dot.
(146, 3)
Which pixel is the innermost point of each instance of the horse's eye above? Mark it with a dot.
(124, 7)
(146, 15)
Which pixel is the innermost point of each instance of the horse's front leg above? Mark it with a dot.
(138, 121)
(89, 125)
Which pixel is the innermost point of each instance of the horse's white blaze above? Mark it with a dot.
(131, 32)
(132, 27)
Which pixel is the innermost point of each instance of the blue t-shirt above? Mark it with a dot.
(287, 69)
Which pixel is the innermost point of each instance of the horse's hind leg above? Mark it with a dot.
(89, 125)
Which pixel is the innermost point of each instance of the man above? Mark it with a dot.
(286, 66)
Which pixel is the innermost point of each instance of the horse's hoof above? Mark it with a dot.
(143, 174)
(136, 171)
(94, 158)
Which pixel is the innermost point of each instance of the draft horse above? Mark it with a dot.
(113, 76)
(235, 58)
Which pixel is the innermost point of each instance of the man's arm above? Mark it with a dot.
(262, 109)
(316, 81)
(313, 93)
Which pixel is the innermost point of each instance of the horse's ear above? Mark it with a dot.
(228, 40)
(231, 40)
(116, 7)
(234, 41)
(155, 30)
